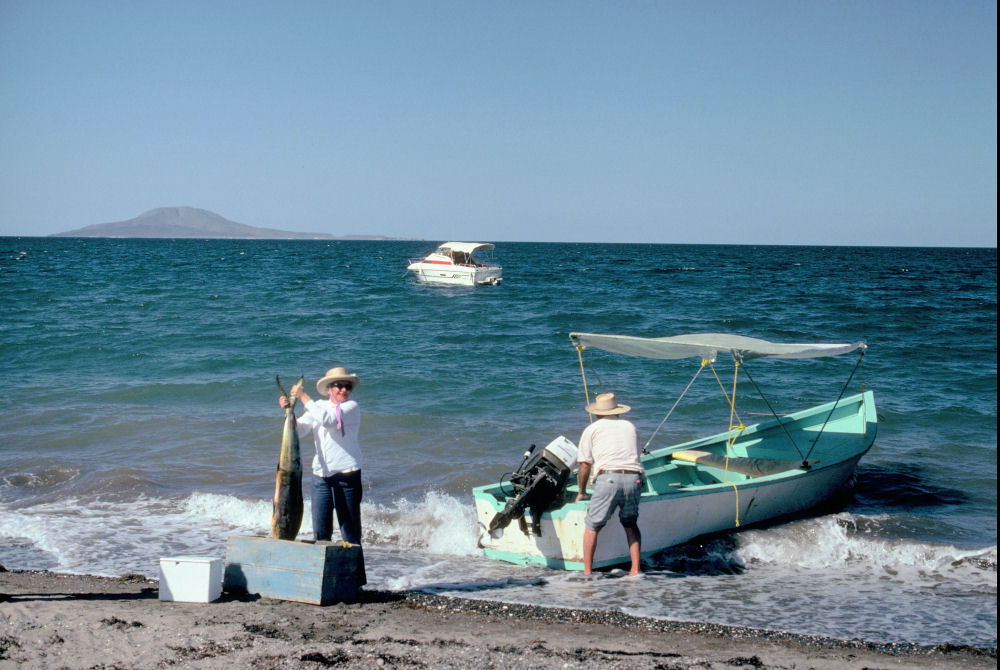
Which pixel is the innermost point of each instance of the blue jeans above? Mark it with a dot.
(340, 492)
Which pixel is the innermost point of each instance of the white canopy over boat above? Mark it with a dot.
(707, 345)
(466, 247)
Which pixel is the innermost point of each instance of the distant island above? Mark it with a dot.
(190, 222)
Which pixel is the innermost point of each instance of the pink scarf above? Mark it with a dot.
(340, 416)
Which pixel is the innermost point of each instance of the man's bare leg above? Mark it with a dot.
(589, 545)
(634, 538)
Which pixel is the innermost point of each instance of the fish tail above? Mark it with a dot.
(281, 388)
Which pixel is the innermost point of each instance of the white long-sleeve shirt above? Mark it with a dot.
(334, 452)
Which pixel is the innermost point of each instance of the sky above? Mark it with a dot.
(708, 122)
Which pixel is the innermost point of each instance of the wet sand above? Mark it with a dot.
(50, 620)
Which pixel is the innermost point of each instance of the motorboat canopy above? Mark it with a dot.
(456, 253)
(465, 247)
(707, 345)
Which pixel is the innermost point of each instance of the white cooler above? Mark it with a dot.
(192, 579)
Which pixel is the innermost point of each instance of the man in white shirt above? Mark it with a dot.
(609, 448)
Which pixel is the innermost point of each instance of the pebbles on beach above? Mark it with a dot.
(76, 621)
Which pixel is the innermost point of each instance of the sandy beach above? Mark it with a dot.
(50, 620)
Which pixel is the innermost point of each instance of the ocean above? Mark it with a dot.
(141, 418)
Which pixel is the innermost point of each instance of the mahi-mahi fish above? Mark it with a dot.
(286, 515)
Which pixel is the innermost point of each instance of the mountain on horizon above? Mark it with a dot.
(190, 222)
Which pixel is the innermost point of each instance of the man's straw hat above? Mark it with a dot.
(606, 405)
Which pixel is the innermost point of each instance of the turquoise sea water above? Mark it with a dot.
(141, 418)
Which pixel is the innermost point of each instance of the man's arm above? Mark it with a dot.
(582, 477)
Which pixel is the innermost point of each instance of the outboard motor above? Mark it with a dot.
(537, 482)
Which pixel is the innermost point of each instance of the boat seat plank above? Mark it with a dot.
(751, 467)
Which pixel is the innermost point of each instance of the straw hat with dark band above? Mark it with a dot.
(336, 375)
(606, 405)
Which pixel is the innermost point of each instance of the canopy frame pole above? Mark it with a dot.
(645, 448)
(583, 373)
(836, 402)
(774, 414)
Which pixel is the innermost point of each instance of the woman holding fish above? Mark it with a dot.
(334, 423)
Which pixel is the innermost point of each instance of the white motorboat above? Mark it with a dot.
(458, 263)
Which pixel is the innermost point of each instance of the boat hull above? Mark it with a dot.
(685, 500)
(455, 275)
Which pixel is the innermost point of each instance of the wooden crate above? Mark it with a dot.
(318, 573)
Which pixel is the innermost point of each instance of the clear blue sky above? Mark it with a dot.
(745, 122)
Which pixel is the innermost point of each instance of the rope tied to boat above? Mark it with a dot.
(731, 401)
(733, 433)
(736, 490)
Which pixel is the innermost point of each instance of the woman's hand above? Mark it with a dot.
(298, 392)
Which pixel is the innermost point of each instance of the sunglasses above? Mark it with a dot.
(343, 385)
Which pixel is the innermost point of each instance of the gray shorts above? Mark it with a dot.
(614, 491)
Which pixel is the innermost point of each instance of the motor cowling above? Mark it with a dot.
(538, 482)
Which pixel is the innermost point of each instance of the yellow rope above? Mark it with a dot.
(732, 413)
(736, 428)
(732, 409)
(583, 373)
(731, 400)
(737, 490)
(732, 438)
